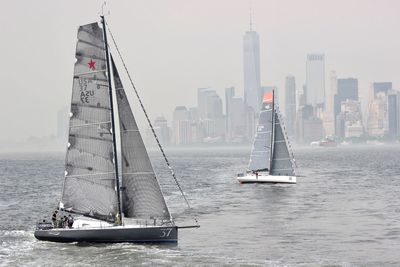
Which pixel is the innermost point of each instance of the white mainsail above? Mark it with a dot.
(89, 185)
(261, 150)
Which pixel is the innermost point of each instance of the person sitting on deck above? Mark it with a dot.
(70, 221)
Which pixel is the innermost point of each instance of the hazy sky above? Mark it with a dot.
(172, 47)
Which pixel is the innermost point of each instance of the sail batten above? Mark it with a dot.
(141, 195)
(89, 183)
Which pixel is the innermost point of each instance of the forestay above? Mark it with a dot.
(89, 185)
(141, 193)
(281, 161)
(261, 151)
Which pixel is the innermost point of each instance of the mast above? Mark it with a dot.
(118, 216)
(272, 131)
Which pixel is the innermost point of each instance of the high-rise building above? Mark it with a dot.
(162, 130)
(315, 80)
(328, 115)
(251, 65)
(209, 104)
(349, 121)
(347, 89)
(377, 123)
(210, 108)
(290, 104)
(181, 125)
(394, 114)
(308, 127)
(229, 95)
(384, 87)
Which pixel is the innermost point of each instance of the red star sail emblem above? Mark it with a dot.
(91, 64)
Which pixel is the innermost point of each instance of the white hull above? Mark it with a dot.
(265, 178)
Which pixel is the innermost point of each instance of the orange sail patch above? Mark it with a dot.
(268, 97)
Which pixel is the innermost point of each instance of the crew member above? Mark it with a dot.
(70, 221)
(54, 218)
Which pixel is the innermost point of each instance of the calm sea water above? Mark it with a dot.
(344, 211)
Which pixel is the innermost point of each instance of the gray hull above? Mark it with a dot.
(110, 235)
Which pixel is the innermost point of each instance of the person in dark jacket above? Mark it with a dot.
(70, 221)
(54, 218)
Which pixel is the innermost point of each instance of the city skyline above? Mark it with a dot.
(154, 47)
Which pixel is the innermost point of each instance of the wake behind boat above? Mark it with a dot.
(104, 210)
(270, 160)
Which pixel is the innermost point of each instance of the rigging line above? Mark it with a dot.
(149, 122)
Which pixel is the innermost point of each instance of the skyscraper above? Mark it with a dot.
(229, 94)
(161, 127)
(251, 68)
(315, 80)
(329, 115)
(210, 110)
(394, 114)
(382, 87)
(377, 123)
(181, 125)
(346, 89)
(290, 104)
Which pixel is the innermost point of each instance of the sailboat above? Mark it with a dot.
(103, 209)
(270, 160)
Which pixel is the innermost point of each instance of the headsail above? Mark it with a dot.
(89, 185)
(261, 151)
(141, 193)
(281, 160)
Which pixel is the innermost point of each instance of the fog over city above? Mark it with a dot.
(174, 47)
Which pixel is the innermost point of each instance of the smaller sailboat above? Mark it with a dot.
(270, 160)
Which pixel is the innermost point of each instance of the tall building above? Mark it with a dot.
(238, 120)
(181, 125)
(162, 130)
(209, 104)
(377, 123)
(308, 127)
(349, 121)
(210, 111)
(329, 116)
(347, 89)
(394, 114)
(251, 65)
(315, 80)
(384, 87)
(229, 95)
(290, 104)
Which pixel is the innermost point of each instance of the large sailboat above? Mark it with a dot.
(103, 209)
(270, 159)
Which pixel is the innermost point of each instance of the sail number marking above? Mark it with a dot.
(165, 232)
(85, 93)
